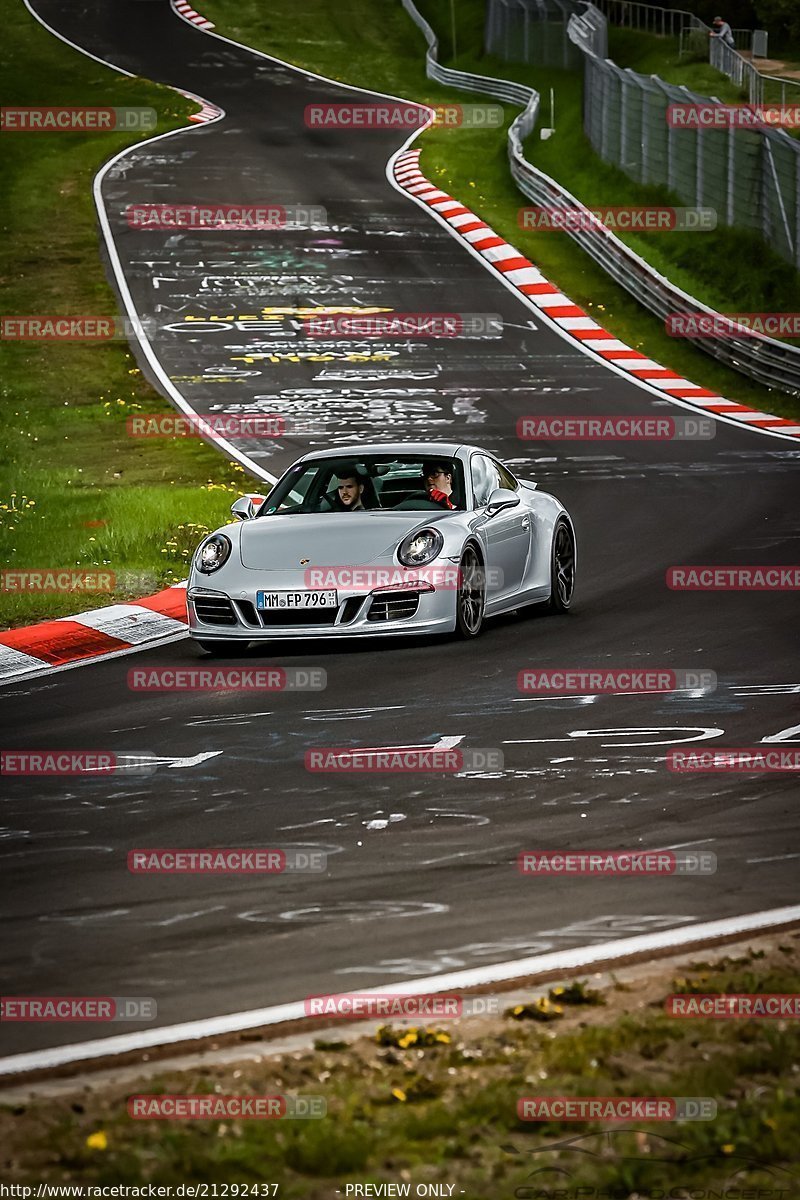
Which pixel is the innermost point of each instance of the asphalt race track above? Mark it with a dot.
(422, 875)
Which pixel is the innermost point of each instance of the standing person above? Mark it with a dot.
(723, 31)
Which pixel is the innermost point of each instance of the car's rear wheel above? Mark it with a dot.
(562, 567)
(471, 595)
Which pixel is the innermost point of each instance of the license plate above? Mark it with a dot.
(276, 600)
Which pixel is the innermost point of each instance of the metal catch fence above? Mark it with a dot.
(770, 362)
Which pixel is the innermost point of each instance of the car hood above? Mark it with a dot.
(280, 543)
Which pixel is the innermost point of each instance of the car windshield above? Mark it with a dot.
(374, 483)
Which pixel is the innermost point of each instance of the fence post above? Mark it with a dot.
(669, 175)
(779, 196)
(730, 207)
(645, 114)
(699, 168)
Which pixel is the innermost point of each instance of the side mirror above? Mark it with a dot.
(500, 499)
(245, 507)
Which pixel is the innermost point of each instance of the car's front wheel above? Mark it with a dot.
(471, 595)
(562, 567)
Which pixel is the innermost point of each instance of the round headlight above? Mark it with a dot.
(212, 553)
(420, 548)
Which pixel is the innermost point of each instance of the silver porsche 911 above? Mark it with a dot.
(424, 537)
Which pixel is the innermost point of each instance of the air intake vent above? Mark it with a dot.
(214, 610)
(350, 610)
(247, 612)
(393, 606)
(298, 617)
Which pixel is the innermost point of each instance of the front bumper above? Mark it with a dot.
(221, 616)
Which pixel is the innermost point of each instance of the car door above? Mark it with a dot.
(507, 534)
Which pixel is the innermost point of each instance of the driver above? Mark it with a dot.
(349, 490)
(438, 478)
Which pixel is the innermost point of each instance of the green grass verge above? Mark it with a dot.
(651, 55)
(439, 1104)
(378, 46)
(75, 490)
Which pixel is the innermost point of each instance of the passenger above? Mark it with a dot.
(349, 492)
(438, 478)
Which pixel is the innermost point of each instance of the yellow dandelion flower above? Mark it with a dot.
(97, 1141)
(399, 1094)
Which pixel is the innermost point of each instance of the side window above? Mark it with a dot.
(507, 480)
(485, 478)
(294, 491)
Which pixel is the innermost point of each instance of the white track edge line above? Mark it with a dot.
(578, 958)
(169, 388)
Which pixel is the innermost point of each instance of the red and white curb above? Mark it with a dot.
(100, 633)
(208, 112)
(188, 13)
(566, 316)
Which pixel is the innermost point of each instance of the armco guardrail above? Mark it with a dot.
(770, 362)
